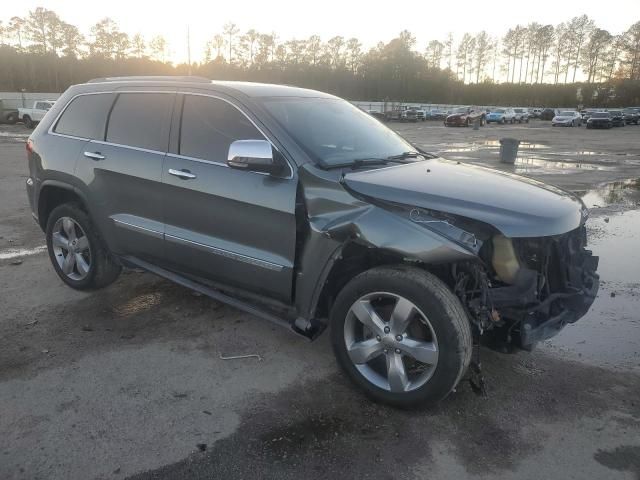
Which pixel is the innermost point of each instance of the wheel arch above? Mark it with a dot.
(352, 259)
(54, 193)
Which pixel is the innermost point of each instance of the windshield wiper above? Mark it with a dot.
(404, 155)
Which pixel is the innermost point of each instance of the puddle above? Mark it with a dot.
(616, 240)
(488, 145)
(613, 319)
(538, 165)
(21, 252)
(624, 193)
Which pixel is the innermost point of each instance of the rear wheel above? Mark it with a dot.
(76, 250)
(12, 118)
(401, 335)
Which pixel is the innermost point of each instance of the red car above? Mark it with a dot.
(464, 117)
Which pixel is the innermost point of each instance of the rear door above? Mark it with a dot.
(230, 226)
(123, 173)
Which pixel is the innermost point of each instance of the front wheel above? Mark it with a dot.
(27, 121)
(401, 335)
(76, 250)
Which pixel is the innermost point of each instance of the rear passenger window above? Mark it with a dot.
(210, 125)
(141, 120)
(86, 116)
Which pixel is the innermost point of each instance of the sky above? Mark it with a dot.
(370, 21)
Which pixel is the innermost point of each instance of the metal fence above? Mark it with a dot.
(24, 99)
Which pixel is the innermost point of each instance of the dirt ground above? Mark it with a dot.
(128, 382)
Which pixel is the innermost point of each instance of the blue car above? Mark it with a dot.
(501, 115)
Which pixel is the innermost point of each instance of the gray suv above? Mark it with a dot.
(296, 206)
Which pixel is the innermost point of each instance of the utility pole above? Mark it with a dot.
(189, 48)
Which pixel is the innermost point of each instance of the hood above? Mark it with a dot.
(562, 118)
(496, 114)
(457, 115)
(515, 205)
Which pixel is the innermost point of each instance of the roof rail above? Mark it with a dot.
(152, 78)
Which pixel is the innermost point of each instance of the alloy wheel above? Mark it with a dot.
(391, 342)
(71, 248)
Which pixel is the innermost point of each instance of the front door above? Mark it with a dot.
(234, 227)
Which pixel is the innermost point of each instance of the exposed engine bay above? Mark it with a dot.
(526, 290)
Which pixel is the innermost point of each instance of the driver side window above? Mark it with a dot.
(210, 125)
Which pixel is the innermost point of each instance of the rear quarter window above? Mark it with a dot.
(85, 116)
(141, 120)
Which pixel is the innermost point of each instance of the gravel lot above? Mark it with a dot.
(127, 382)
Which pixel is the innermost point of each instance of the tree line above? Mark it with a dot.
(566, 64)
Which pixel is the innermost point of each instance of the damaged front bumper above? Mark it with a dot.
(555, 285)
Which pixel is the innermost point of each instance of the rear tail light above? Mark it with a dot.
(29, 147)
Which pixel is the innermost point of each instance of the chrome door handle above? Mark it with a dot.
(94, 155)
(183, 174)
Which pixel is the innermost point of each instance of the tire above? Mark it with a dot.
(573, 123)
(11, 119)
(99, 268)
(27, 121)
(447, 328)
(502, 121)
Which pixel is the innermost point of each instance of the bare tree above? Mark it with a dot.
(314, 47)
(36, 29)
(579, 28)
(448, 49)
(631, 48)
(218, 44)
(72, 40)
(158, 47)
(482, 53)
(16, 29)
(334, 48)
(138, 46)
(251, 40)
(433, 53)
(463, 54)
(230, 30)
(354, 54)
(594, 51)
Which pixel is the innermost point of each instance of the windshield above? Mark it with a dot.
(600, 115)
(567, 114)
(333, 132)
(461, 110)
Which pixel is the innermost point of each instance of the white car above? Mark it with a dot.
(32, 116)
(567, 118)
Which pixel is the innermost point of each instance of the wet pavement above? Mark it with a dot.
(128, 382)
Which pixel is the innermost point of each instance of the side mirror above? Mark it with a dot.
(255, 156)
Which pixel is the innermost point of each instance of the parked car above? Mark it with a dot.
(437, 114)
(600, 120)
(419, 113)
(8, 114)
(522, 115)
(631, 115)
(617, 118)
(464, 117)
(567, 118)
(376, 114)
(547, 114)
(409, 115)
(32, 116)
(586, 114)
(501, 115)
(299, 208)
(535, 112)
